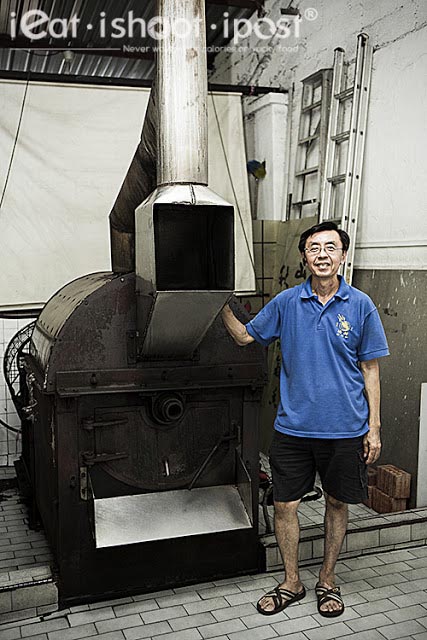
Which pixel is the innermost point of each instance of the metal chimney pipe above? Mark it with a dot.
(182, 90)
(139, 182)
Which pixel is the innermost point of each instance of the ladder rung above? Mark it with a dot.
(311, 106)
(337, 179)
(305, 172)
(301, 203)
(344, 95)
(308, 139)
(341, 137)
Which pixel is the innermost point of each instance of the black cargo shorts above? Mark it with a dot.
(339, 462)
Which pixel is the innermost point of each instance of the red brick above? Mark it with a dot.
(382, 503)
(393, 481)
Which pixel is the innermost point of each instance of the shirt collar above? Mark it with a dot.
(343, 289)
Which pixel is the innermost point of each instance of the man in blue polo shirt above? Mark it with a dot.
(328, 418)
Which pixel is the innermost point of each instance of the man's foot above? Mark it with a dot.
(279, 598)
(329, 601)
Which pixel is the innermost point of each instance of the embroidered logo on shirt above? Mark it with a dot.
(343, 326)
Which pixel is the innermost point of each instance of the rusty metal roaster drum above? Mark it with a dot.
(145, 471)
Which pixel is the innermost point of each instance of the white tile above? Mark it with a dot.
(392, 567)
(394, 535)
(219, 628)
(418, 530)
(419, 552)
(362, 540)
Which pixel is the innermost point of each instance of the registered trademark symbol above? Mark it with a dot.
(311, 14)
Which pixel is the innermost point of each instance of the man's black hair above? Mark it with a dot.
(324, 226)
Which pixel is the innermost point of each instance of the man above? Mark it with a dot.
(328, 419)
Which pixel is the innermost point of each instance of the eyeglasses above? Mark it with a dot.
(329, 248)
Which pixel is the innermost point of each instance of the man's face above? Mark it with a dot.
(324, 253)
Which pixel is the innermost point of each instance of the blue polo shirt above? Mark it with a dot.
(321, 384)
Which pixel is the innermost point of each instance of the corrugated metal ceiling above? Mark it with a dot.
(109, 57)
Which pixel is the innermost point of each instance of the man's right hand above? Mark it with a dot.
(235, 328)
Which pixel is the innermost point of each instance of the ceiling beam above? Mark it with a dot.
(241, 4)
(21, 44)
(64, 78)
(73, 45)
(89, 51)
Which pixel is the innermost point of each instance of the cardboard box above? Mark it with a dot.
(382, 503)
(393, 481)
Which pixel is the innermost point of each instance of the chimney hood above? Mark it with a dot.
(184, 232)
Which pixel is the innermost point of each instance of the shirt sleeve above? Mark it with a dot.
(373, 342)
(265, 327)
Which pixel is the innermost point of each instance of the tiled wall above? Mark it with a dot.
(10, 443)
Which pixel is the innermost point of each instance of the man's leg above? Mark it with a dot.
(286, 525)
(343, 472)
(292, 469)
(336, 517)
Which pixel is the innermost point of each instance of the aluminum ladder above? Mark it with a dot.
(341, 188)
(311, 145)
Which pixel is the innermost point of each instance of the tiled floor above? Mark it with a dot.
(385, 596)
(21, 548)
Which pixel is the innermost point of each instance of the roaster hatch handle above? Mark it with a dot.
(212, 452)
(89, 424)
(90, 458)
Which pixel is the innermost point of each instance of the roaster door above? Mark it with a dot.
(167, 468)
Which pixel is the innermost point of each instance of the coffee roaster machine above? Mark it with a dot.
(141, 435)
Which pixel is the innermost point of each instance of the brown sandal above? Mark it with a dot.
(324, 595)
(282, 598)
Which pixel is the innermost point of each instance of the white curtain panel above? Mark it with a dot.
(73, 151)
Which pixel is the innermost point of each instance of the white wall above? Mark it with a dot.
(393, 222)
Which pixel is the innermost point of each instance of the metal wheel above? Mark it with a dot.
(12, 364)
